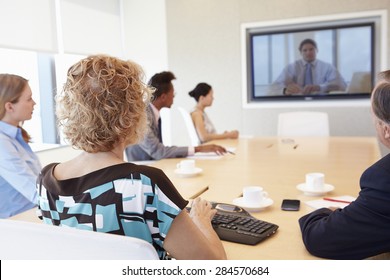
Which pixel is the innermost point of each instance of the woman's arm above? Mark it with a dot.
(204, 136)
(16, 170)
(192, 236)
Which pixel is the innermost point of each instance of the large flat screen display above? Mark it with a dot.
(335, 60)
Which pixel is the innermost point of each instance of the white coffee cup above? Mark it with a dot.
(254, 195)
(315, 180)
(186, 166)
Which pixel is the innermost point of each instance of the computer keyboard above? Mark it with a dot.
(233, 223)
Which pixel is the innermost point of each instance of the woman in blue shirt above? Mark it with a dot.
(19, 166)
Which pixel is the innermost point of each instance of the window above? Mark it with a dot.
(25, 64)
(46, 74)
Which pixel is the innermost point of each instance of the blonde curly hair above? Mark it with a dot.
(103, 103)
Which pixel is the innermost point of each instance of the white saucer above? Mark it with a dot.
(239, 201)
(195, 172)
(311, 192)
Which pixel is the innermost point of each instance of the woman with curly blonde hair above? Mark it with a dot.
(101, 110)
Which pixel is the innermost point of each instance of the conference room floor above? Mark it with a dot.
(278, 165)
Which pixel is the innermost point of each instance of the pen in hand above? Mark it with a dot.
(199, 193)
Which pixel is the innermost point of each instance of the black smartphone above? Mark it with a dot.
(290, 204)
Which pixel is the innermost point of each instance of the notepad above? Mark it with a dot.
(320, 203)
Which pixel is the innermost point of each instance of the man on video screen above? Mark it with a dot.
(309, 75)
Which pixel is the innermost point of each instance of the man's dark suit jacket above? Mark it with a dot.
(150, 148)
(361, 229)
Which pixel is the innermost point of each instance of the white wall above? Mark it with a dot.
(28, 25)
(199, 40)
(204, 45)
(90, 27)
(62, 26)
(145, 34)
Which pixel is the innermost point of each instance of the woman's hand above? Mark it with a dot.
(201, 211)
(231, 134)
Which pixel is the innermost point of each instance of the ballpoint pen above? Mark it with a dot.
(230, 152)
(336, 200)
(199, 193)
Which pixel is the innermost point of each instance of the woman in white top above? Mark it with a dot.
(204, 96)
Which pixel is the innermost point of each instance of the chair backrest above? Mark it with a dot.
(360, 83)
(60, 154)
(190, 127)
(33, 241)
(303, 124)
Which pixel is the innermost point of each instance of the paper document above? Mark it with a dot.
(143, 162)
(320, 203)
(211, 155)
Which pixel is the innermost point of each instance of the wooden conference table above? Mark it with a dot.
(278, 165)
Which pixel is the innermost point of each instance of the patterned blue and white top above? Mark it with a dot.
(125, 199)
